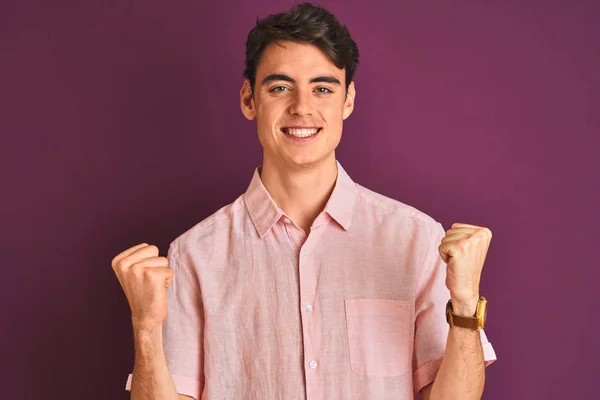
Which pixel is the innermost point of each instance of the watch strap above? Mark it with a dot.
(475, 323)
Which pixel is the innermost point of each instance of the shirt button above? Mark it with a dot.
(306, 253)
(312, 364)
(308, 308)
(287, 221)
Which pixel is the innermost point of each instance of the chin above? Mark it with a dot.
(306, 161)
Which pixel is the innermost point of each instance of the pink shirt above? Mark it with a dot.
(354, 310)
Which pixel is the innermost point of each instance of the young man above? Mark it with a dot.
(308, 286)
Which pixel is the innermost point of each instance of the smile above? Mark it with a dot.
(301, 132)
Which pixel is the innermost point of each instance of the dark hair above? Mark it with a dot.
(303, 23)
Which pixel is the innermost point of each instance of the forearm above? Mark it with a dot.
(462, 372)
(151, 377)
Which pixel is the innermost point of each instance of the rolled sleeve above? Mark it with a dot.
(431, 328)
(183, 327)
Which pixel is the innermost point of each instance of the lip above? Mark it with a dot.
(300, 127)
(285, 128)
(301, 139)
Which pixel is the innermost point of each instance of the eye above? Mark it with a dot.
(278, 89)
(323, 90)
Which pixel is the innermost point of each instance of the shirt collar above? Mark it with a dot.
(341, 202)
(264, 213)
(260, 205)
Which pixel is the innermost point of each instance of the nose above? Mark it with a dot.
(301, 103)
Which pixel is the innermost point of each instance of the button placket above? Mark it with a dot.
(309, 273)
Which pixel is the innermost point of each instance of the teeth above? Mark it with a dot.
(301, 132)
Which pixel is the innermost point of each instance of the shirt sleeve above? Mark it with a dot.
(431, 328)
(183, 327)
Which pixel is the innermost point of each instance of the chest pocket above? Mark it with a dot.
(379, 336)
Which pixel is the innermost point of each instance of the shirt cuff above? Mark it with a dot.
(183, 384)
(489, 355)
(427, 373)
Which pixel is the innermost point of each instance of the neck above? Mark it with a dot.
(301, 193)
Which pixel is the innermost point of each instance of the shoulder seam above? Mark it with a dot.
(214, 218)
(361, 191)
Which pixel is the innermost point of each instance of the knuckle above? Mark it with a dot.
(116, 262)
(123, 264)
(137, 270)
(147, 273)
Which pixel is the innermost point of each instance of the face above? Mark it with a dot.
(299, 103)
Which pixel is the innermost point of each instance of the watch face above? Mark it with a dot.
(481, 312)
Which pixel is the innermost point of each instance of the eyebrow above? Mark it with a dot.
(281, 77)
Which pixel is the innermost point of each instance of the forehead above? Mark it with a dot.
(296, 60)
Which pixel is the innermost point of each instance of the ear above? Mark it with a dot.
(247, 101)
(349, 102)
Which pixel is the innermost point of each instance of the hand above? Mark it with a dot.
(144, 277)
(464, 249)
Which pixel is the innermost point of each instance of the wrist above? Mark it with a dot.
(149, 349)
(465, 306)
(145, 326)
(147, 337)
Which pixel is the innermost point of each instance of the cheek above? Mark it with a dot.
(266, 121)
(333, 110)
(334, 117)
(268, 113)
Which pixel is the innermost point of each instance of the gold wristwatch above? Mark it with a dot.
(476, 323)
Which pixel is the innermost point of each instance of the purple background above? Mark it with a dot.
(120, 123)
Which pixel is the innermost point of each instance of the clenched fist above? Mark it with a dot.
(144, 277)
(464, 249)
